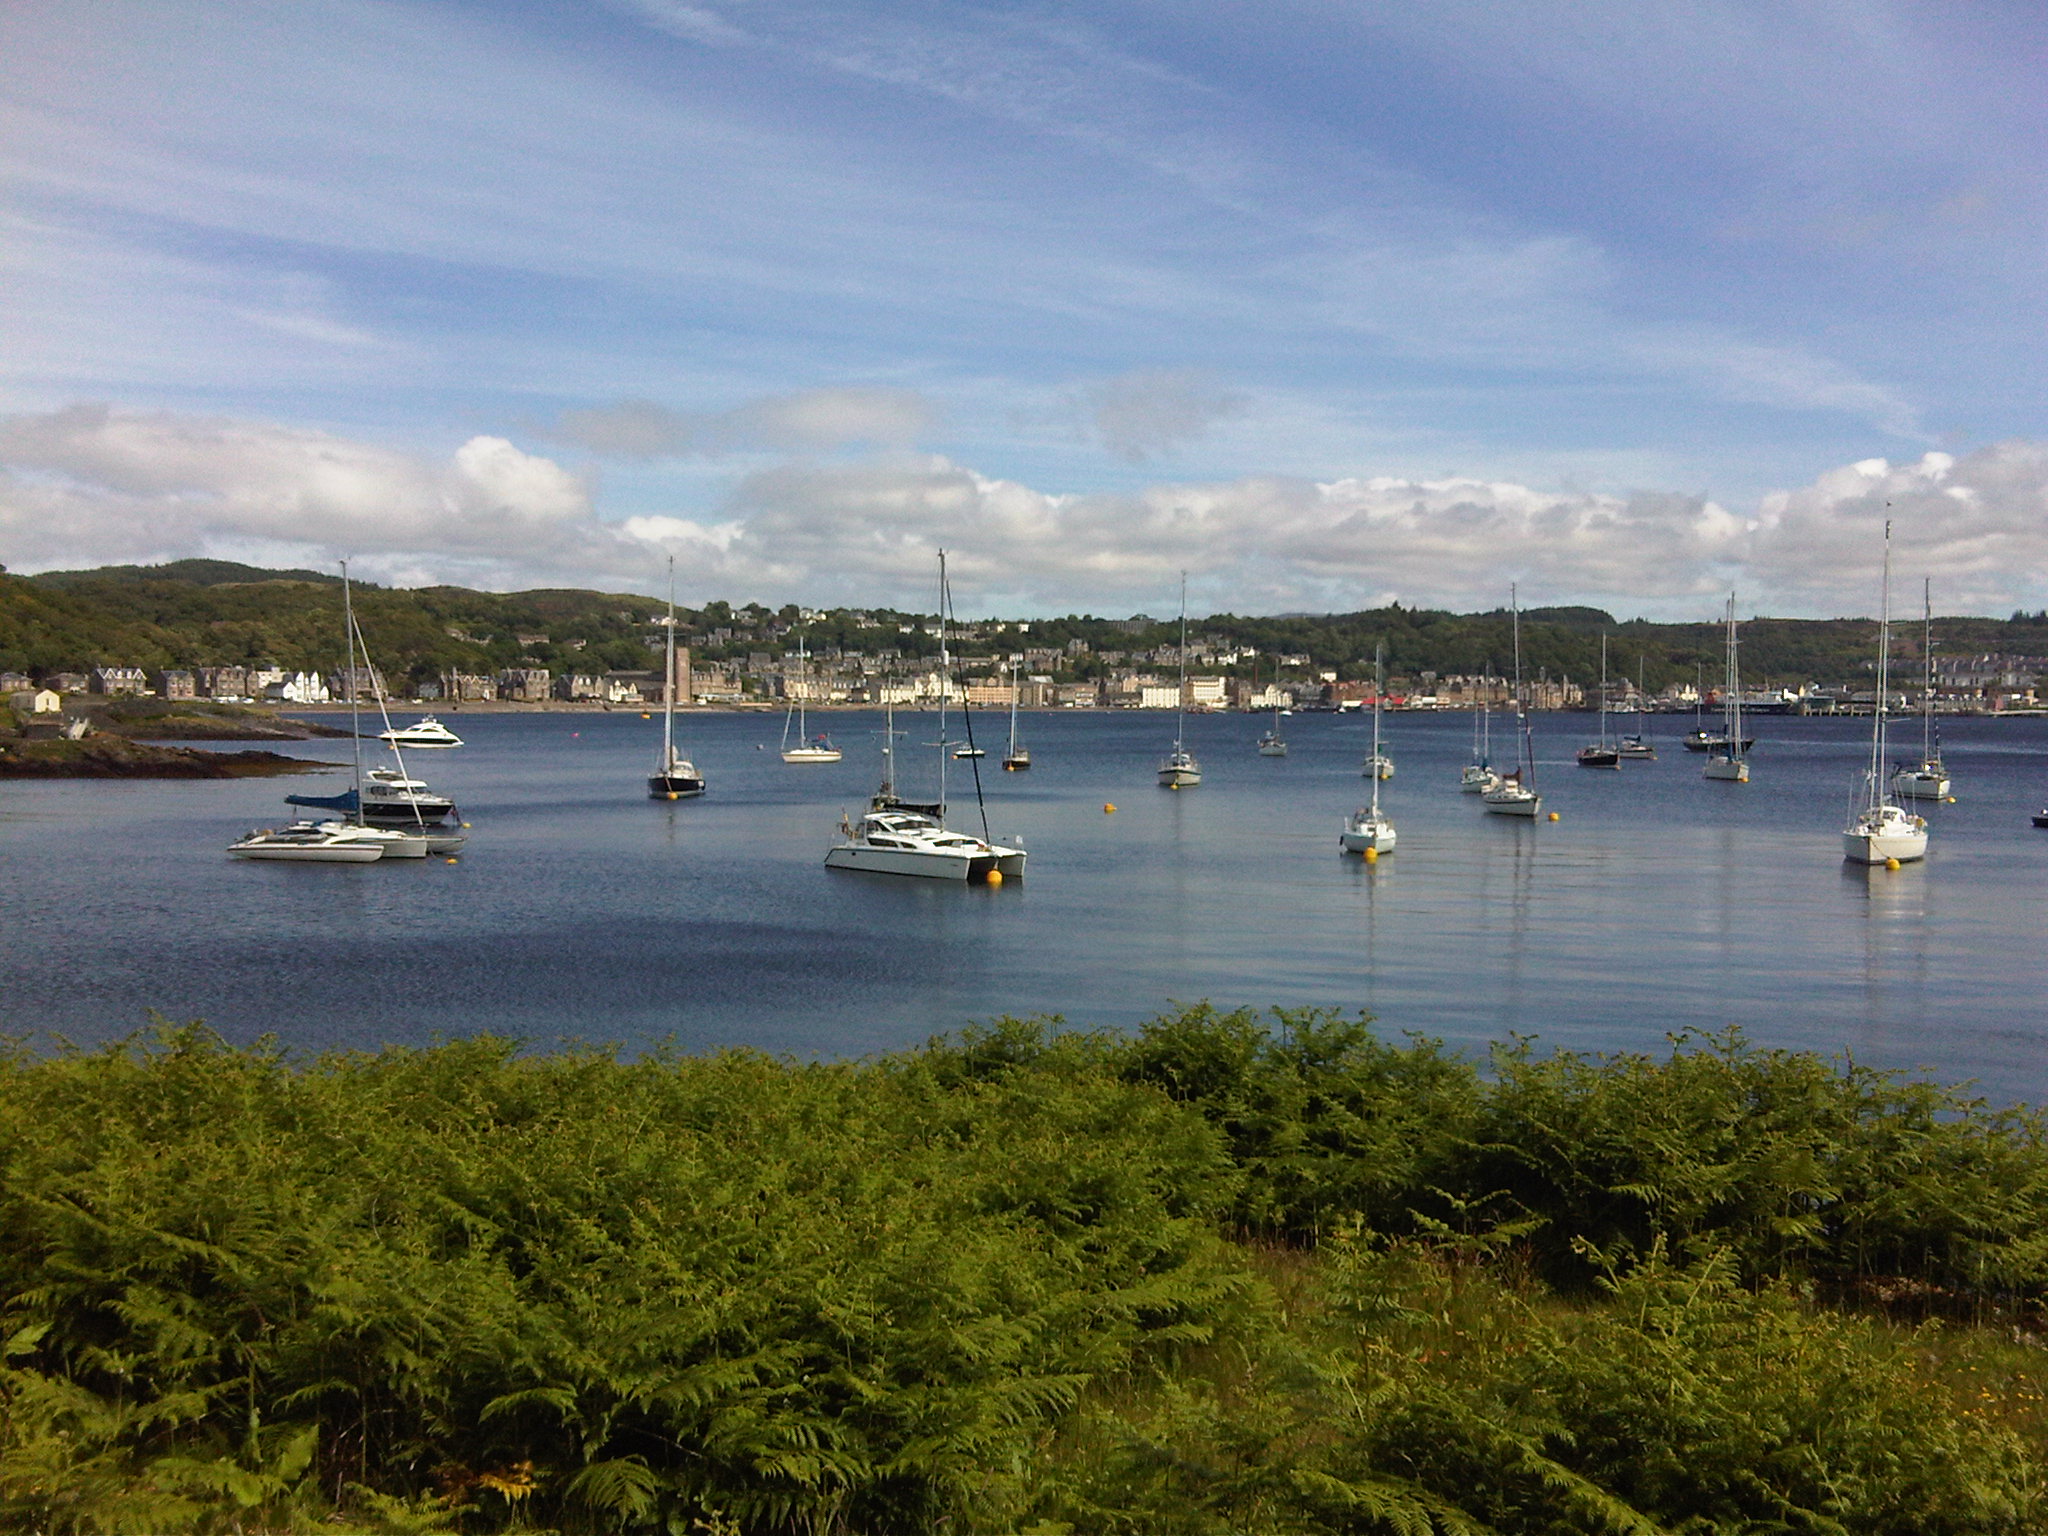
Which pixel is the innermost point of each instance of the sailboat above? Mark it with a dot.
(1929, 780)
(1603, 753)
(808, 749)
(1726, 760)
(894, 837)
(1477, 776)
(674, 776)
(1018, 758)
(1638, 746)
(1179, 770)
(349, 840)
(1272, 743)
(1515, 794)
(1879, 830)
(1369, 829)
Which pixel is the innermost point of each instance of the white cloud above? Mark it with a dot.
(91, 484)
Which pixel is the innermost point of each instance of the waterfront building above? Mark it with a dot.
(525, 685)
(114, 681)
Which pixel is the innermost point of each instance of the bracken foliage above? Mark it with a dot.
(1224, 1274)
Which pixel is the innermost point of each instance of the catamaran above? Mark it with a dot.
(1179, 770)
(1515, 794)
(894, 837)
(1879, 830)
(1603, 753)
(1369, 829)
(1928, 779)
(1727, 759)
(808, 748)
(675, 777)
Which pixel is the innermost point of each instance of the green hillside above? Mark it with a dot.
(206, 612)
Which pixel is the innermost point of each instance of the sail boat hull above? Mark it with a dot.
(1510, 801)
(1731, 770)
(1927, 782)
(1368, 831)
(1179, 776)
(1017, 762)
(1599, 757)
(674, 786)
(811, 755)
(1883, 834)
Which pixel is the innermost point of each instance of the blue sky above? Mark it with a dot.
(1327, 304)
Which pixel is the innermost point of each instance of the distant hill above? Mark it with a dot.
(211, 612)
(199, 573)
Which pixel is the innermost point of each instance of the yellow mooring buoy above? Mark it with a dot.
(1553, 815)
(671, 794)
(1109, 810)
(1372, 855)
(451, 861)
(1891, 863)
(995, 877)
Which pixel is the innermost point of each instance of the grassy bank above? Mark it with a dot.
(1225, 1275)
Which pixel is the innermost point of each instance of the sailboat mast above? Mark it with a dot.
(945, 678)
(668, 678)
(355, 708)
(1528, 754)
(1927, 658)
(1884, 676)
(1603, 688)
(1013, 709)
(1734, 687)
(1379, 687)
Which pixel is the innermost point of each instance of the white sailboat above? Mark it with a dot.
(1727, 759)
(1603, 753)
(807, 748)
(1515, 794)
(1369, 829)
(675, 777)
(1639, 745)
(1018, 758)
(1928, 779)
(1879, 830)
(1272, 743)
(894, 837)
(1477, 776)
(1179, 770)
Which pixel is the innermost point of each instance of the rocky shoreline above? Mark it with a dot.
(111, 757)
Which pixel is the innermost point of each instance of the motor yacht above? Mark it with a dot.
(389, 798)
(426, 732)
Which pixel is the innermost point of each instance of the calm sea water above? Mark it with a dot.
(1658, 902)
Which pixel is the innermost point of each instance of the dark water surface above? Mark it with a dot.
(581, 909)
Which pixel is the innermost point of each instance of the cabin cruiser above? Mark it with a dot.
(389, 798)
(427, 732)
(894, 839)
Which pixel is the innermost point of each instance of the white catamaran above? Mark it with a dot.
(895, 837)
(1880, 831)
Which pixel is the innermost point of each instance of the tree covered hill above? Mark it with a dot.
(209, 612)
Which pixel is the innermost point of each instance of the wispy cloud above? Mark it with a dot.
(810, 419)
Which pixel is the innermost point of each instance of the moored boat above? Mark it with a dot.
(424, 732)
(1880, 831)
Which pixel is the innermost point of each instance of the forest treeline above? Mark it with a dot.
(195, 613)
(1221, 1274)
